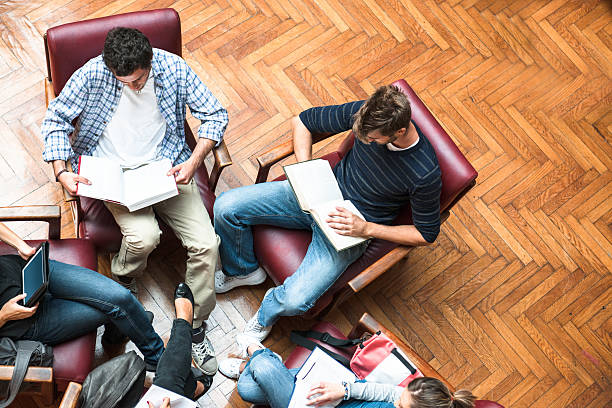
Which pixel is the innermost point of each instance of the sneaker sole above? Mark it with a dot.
(248, 281)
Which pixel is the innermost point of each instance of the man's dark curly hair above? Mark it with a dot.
(126, 50)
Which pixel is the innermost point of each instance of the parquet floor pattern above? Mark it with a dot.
(514, 299)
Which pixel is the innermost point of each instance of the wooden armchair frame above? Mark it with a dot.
(40, 377)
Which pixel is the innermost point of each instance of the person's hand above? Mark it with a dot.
(69, 180)
(11, 310)
(183, 172)
(165, 403)
(325, 393)
(345, 222)
(25, 251)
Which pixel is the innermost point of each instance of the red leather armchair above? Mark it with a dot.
(68, 47)
(280, 251)
(72, 360)
(367, 324)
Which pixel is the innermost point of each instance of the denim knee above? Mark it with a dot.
(295, 302)
(226, 205)
(264, 363)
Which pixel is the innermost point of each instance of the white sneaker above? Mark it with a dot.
(255, 331)
(230, 367)
(224, 283)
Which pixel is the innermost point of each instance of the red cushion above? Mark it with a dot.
(72, 45)
(72, 360)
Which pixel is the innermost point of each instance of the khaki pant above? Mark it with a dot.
(189, 220)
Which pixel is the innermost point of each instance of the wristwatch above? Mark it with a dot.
(59, 173)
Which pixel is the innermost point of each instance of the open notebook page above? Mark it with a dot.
(105, 177)
(313, 182)
(318, 367)
(157, 394)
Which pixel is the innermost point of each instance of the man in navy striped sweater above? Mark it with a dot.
(390, 164)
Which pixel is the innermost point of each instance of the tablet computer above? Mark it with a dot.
(34, 275)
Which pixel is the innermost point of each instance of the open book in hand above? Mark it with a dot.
(135, 187)
(318, 367)
(318, 193)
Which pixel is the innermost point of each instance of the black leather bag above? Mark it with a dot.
(117, 383)
(21, 354)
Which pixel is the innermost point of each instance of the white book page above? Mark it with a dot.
(157, 394)
(105, 177)
(148, 184)
(321, 212)
(313, 182)
(318, 367)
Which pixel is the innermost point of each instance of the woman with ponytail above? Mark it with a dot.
(263, 379)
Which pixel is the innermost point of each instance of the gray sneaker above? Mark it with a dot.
(202, 352)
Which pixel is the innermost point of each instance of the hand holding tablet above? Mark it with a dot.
(35, 276)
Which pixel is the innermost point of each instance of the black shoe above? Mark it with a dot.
(112, 335)
(205, 379)
(182, 291)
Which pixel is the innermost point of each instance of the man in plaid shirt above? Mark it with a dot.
(131, 105)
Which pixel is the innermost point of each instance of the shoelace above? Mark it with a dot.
(253, 325)
(203, 348)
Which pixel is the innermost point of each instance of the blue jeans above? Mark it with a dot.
(275, 204)
(78, 300)
(265, 380)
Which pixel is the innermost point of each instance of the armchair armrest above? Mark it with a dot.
(47, 213)
(384, 263)
(71, 395)
(42, 376)
(379, 267)
(367, 324)
(278, 153)
(222, 160)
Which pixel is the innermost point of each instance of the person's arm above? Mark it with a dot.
(11, 310)
(213, 122)
(9, 237)
(345, 222)
(302, 140)
(183, 172)
(326, 392)
(324, 119)
(57, 126)
(425, 205)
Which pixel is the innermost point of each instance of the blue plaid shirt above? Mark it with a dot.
(92, 93)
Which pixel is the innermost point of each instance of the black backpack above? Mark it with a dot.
(117, 383)
(21, 354)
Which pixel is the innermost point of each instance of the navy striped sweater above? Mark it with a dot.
(380, 181)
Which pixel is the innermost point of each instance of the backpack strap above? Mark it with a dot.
(25, 348)
(303, 338)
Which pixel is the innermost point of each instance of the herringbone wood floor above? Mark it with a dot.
(514, 299)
